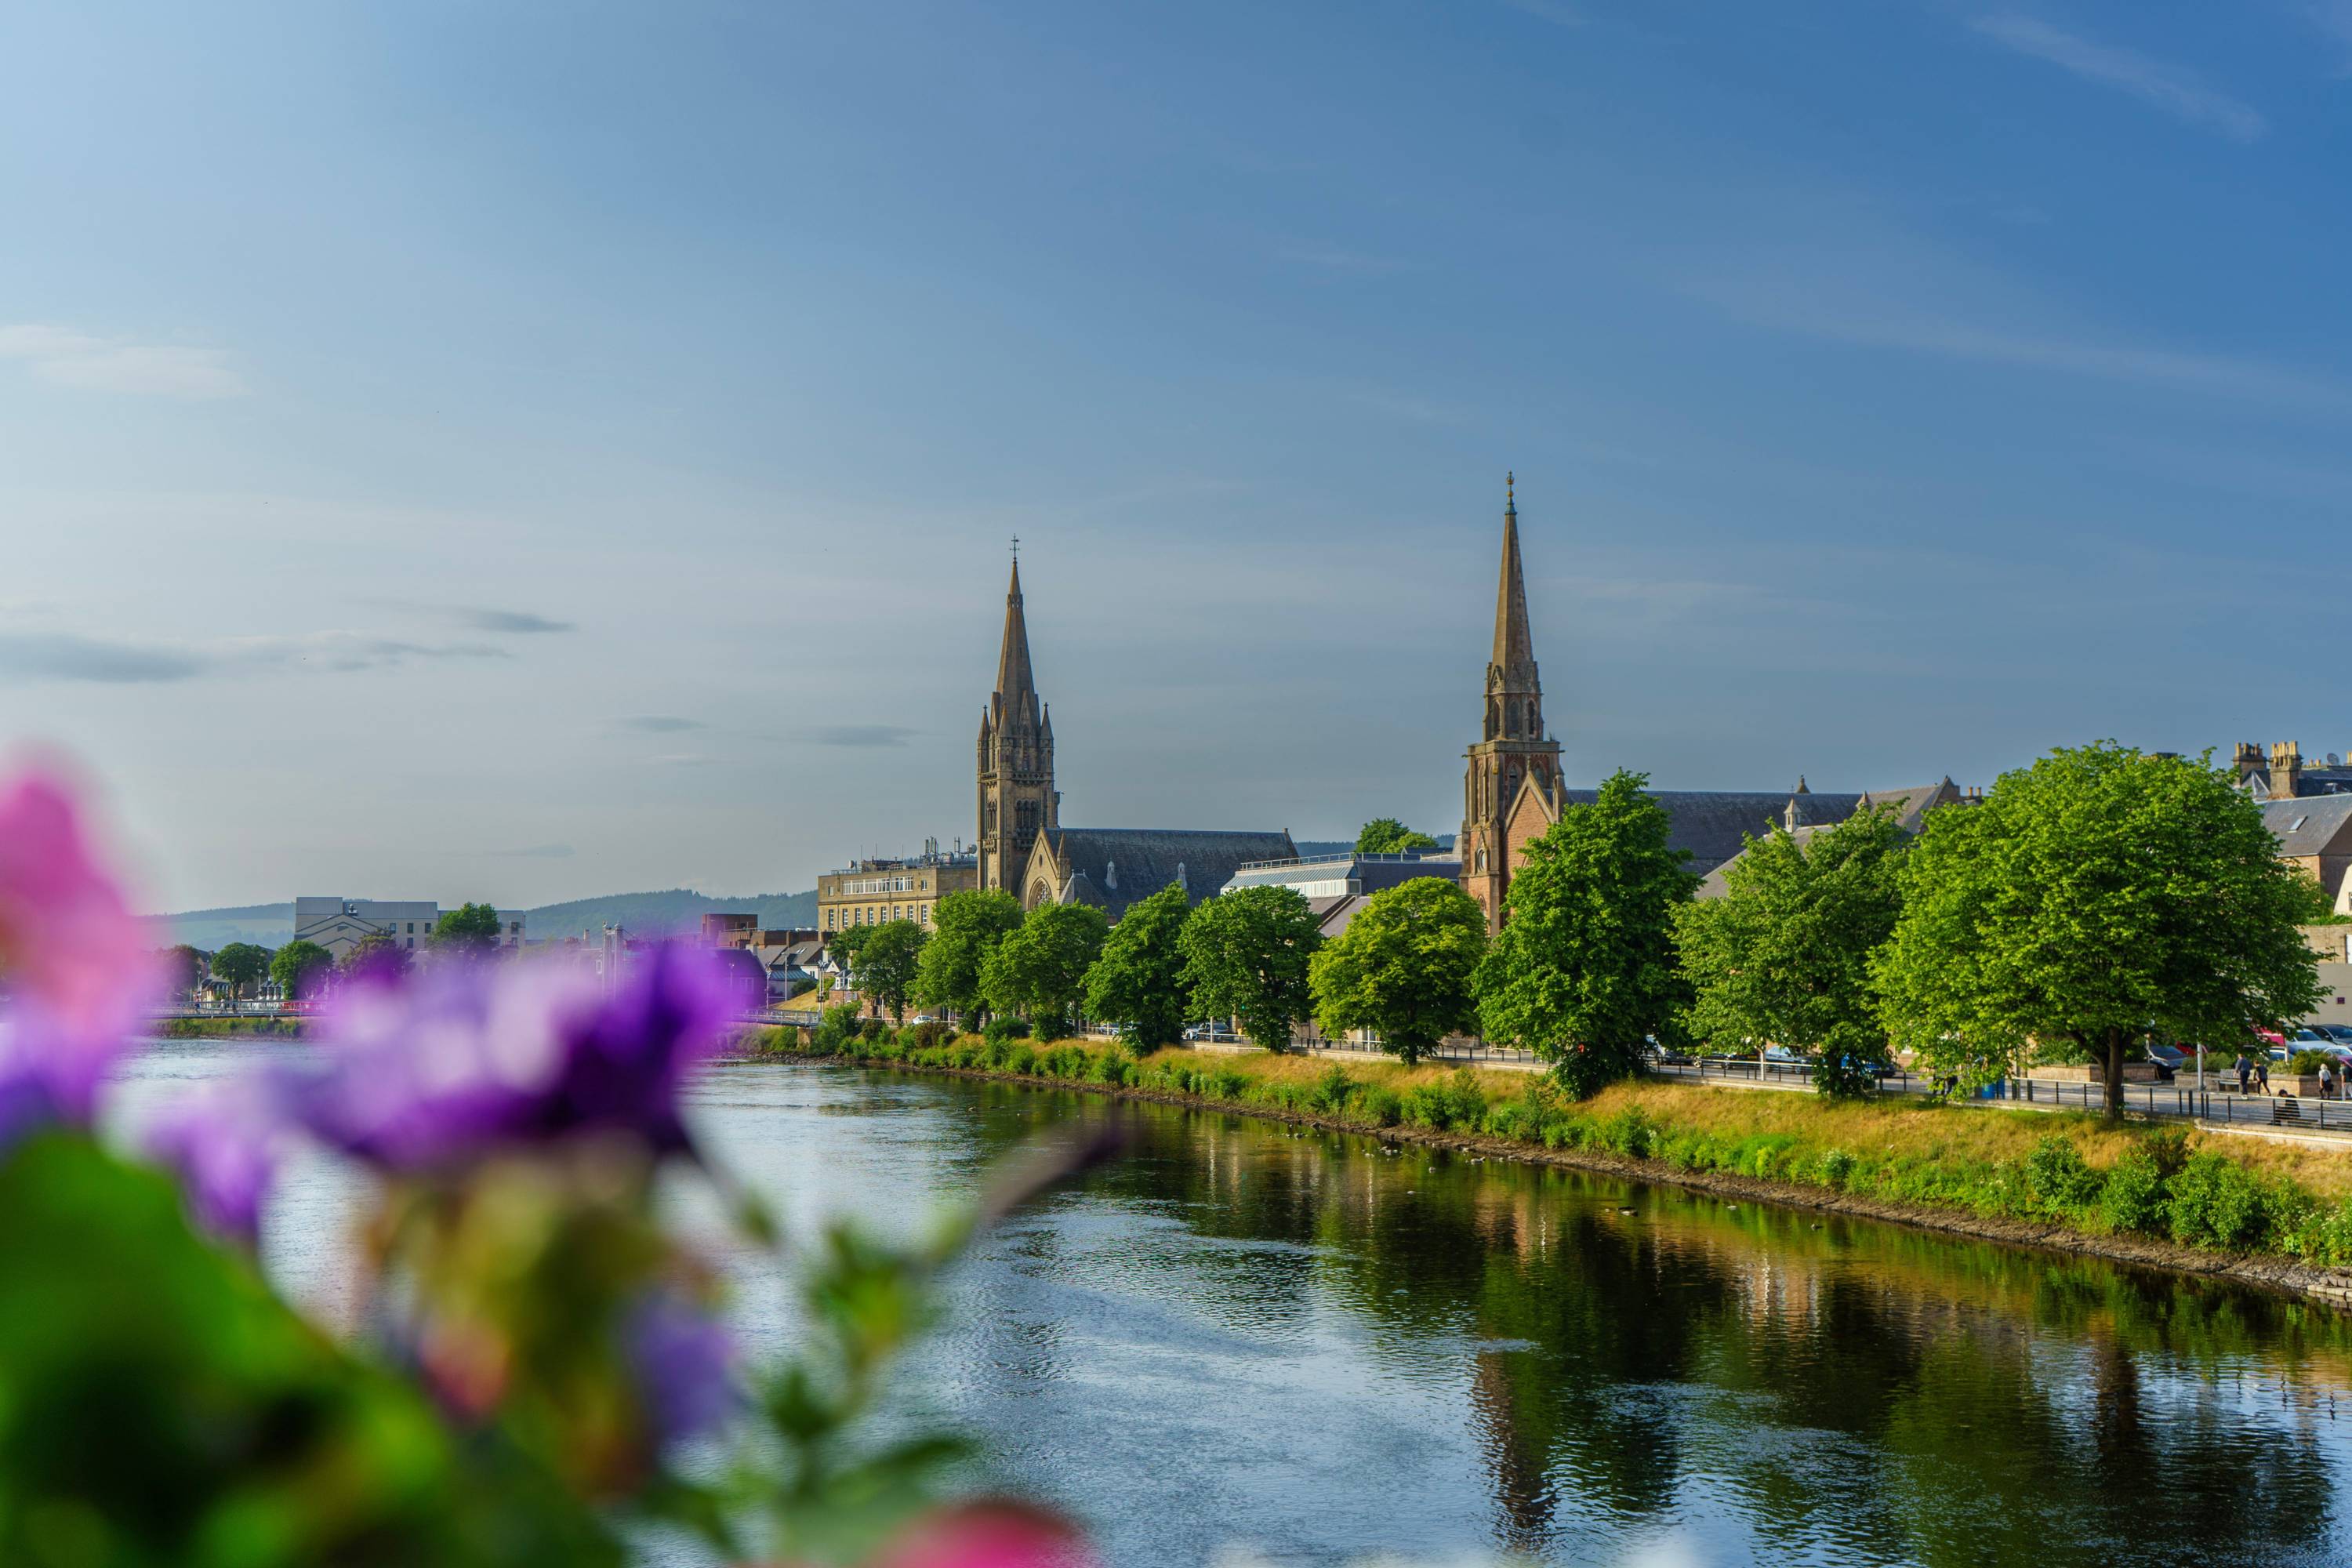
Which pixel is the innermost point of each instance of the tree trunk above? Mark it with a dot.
(2114, 1075)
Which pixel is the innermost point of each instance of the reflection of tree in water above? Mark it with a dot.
(1863, 1392)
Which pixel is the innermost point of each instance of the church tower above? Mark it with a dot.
(1017, 798)
(1513, 746)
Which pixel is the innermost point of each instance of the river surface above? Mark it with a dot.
(1240, 1343)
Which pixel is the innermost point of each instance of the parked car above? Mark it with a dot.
(2340, 1033)
(2308, 1039)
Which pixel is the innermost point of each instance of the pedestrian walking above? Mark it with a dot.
(2262, 1073)
(2244, 1070)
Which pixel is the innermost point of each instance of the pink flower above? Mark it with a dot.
(989, 1534)
(73, 960)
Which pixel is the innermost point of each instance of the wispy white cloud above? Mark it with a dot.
(66, 656)
(70, 358)
(2174, 91)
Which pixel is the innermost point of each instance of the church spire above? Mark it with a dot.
(1016, 686)
(1513, 643)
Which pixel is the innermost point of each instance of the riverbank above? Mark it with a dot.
(236, 1024)
(2274, 1214)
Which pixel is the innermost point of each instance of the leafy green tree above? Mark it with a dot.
(297, 965)
(2095, 898)
(240, 966)
(1403, 967)
(1583, 974)
(1138, 981)
(1039, 969)
(887, 962)
(1387, 836)
(183, 966)
(1246, 957)
(965, 929)
(846, 942)
(470, 930)
(1783, 957)
(377, 957)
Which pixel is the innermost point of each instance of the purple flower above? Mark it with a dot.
(683, 1361)
(224, 1145)
(73, 959)
(475, 1059)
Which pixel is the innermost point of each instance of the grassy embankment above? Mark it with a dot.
(2235, 1195)
(210, 1028)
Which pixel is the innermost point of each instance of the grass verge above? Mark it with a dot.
(210, 1028)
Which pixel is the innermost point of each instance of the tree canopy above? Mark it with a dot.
(183, 966)
(1138, 982)
(240, 966)
(1246, 957)
(965, 929)
(847, 943)
(1783, 957)
(1584, 972)
(378, 957)
(1039, 970)
(1387, 836)
(887, 962)
(469, 930)
(2096, 897)
(1403, 967)
(298, 966)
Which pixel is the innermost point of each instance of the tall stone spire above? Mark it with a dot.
(1016, 686)
(1513, 749)
(1017, 798)
(1513, 643)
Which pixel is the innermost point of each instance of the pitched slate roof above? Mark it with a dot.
(1713, 825)
(2308, 824)
(1112, 868)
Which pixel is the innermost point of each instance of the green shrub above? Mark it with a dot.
(1628, 1133)
(1381, 1106)
(1331, 1090)
(1833, 1167)
(1018, 1055)
(929, 1036)
(2220, 1203)
(834, 1029)
(2132, 1197)
(1002, 1032)
(1428, 1105)
(2308, 1063)
(2058, 1179)
(2323, 1236)
(874, 1031)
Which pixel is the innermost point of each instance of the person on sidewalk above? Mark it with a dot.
(2245, 1072)
(2262, 1073)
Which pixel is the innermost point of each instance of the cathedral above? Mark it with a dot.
(1025, 848)
(1512, 791)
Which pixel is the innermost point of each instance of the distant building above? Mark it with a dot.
(341, 924)
(728, 930)
(2282, 774)
(872, 893)
(1025, 848)
(2315, 832)
(1336, 876)
(1805, 815)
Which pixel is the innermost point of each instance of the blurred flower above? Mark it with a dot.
(223, 1145)
(73, 959)
(683, 1364)
(475, 1059)
(989, 1536)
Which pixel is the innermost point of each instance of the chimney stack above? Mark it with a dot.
(2248, 760)
(2286, 769)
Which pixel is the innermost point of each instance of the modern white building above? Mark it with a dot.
(340, 924)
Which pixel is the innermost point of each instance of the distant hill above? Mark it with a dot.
(644, 914)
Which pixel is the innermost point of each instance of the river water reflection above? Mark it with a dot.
(1316, 1350)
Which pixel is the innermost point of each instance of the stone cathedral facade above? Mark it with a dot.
(1513, 748)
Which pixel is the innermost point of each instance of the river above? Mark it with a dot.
(1243, 1343)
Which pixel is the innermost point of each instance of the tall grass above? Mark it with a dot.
(2074, 1171)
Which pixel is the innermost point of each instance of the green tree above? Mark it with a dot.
(1403, 967)
(2096, 897)
(1138, 981)
(240, 966)
(1387, 836)
(297, 965)
(1039, 970)
(1583, 974)
(377, 957)
(1246, 957)
(1783, 957)
(887, 962)
(965, 929)
(846, 942)
(183, 966)
(470, 930)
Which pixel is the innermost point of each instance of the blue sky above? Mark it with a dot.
(525, 451)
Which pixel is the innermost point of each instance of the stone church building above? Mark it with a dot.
(1513, 790)
(1025, 848)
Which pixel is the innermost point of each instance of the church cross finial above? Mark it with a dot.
(1016, 547)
